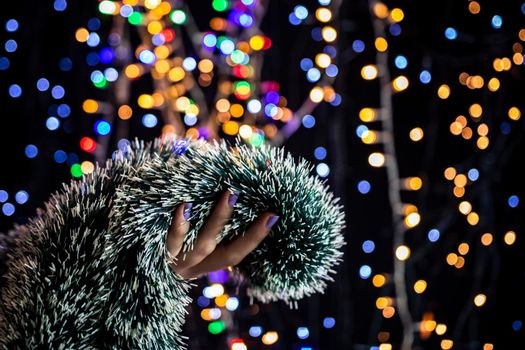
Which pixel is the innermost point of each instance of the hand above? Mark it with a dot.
(206, 256)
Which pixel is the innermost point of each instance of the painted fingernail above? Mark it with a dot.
(271, 221)
(187, 210)
(233, 198)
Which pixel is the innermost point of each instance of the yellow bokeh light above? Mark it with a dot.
(414, 183)
(145, 101)
(459, 191)
(379, 280)
(385, 346)
(482, 142)
(450, 173)
(205, 65)
(412, 220)
(316, 94)
(475, 110)
(480, 299)
(441, 329)
(380, 10)
(463, 77)
(420, 286)
(323, 14)
(369, 137)
(151, 4)
(270, 338)
(239, 346)
(82, 35)
(400, 83)
(494, 84)
(446, 344)
(460, 263)
(402, 252)
(465, 207)
(245, 131)
(514, 113)
(474, 7)
(222, 105)
(182, 103)
(483, 129)
(162, 66)
(192, 110)
(125, 112)
(466, 133)
(444, 92)
(497, 64)
(133, 71)
(486, 239)
(87, 167)
(376, 159)
(452, 258)
(329, 34)
(381, 303)
(176, 74)
(369, 72)
(323, 60)
(389, 312)
(230, 127)
(236, 110)
(367, 114)
(456, 128)
(507, 63)
(510, 238)
(162, 52)
(381, 44)
(416, 134)
(429, 325)
(460, 180)
(257, 42)
(397, 15)
(221, 300)
(463, 248)
(473, 218)
(488, 346)
(154, 27)
(90, 106)
(517, 58)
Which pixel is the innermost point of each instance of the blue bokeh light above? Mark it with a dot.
(21, 197)
(368, 246)
(451, 33)
(320, 153)
(308, 121)
(513, 201)
(8, 209)
(31, 151)
(60, 156)
(15, 91)
(433, 235)
(149, 120)
(11, 25)
(363, 186)
(365, 271)
(425, 77)
(328, 322)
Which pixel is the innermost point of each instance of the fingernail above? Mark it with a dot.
(233, 198)
(187, 210)
(271, 221)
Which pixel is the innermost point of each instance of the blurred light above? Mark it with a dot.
(443, 91)
(322, 169)
(412, 220)
(496, 22)
(63, 110)
(480, 299)
(320, 153)
(202, 301)
(513, 201)
(255, 331)
(510, 238)
(65, 64)
(87, 144)
(381, 44)
(451, 33)
(270, 338)
(368, 246)
(149, 120)
(328, 322)
(420, 286)
(216, 327)
(376, 159)
(189, 64)
(395, 29)
(147, 57)
(60, 5)
(42, 84)
(332, 70)
(402, 252)
(365, 271)
(178, 17)
(306, 64)
(517, 325)
(425, 77)
(52, 123)
(232, 303)
(416, 134)
(433, 235)
(31, 151)
(303, 333)
(4, 63)
(514, 113)
(58, 92)
(11, 25)
(369, 72)
(401, 62)
(15, 91)
(21, 197)
(400, 83)
(313, 75)
(363, 187)
(102, 127)
(8, 209)
(93, 39)
(60, 156)
(11, 45)
(3, 196)
(227, 46)
(300, 12)
(358, 46)
(473, 174)
(308, 121)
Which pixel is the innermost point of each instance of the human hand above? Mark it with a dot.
(206, 255)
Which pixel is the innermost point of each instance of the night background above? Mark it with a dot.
(412, 111)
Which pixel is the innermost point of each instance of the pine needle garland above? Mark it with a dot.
(91, 270)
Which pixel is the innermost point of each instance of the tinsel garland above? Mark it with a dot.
(91, 270)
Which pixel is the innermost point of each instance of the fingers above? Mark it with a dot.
(178, 228)
(235, 251)
(207, 237)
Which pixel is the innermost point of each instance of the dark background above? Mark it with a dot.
(46, 36)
